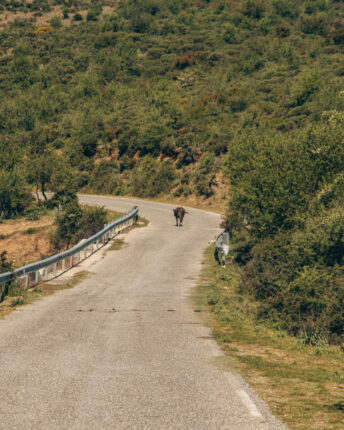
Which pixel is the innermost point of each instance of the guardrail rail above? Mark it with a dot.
(51, 267)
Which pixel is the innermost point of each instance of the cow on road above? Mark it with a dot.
(179, 213)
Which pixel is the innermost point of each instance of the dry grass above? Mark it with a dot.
(7, 16)
(303, 385)
(26, 241)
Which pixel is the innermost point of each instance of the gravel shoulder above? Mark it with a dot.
(123, 349)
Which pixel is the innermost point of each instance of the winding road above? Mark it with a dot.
(123, 349)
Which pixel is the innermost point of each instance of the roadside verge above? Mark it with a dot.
(303, 385)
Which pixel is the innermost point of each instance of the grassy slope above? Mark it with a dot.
(173, 84)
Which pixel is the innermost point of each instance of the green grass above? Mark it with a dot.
(302, 384)
(116, 245)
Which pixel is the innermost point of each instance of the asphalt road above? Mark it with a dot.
(123, 349)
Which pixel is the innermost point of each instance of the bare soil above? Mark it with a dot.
(26, 241)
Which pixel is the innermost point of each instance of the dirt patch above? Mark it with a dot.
(26, 241)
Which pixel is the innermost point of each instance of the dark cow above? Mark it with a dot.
(179, 214)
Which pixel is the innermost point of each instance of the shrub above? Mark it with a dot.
(33, 212)
(286, 8)
(204, 176)
(77, 17)
(230, 34)
(55, 22)
(77, 222)
(105, 178)
(253, 8)
(140, 23)
(62, 198)
(298, 279)
(337, 32)
(307, 85)
(93, 13)
(152, 177)
(314, 24)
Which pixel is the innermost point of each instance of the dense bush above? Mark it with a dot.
(152, 178)
(286, 220)
(298, 278)
(75, 223)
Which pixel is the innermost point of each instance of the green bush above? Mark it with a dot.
(205, 176)
(94, 13)
(253, 8)
(34, 212)
(105, 178)
(75, 223)
(15, 194)
(298, 278)
(77, 17)
(152, 178)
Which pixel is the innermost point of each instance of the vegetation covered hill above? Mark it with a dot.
(175, 97)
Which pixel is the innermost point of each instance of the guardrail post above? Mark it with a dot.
(97, 244)
(85, 252)
(36, 276)
(71, 261)
(63, 265)
(27, 280)
(55, 267)
(46, 273)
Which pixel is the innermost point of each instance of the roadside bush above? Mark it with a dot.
(75, 223)
(298, 278)
(34, 212)
(62, 198)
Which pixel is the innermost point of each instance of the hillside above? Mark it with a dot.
(182, 98)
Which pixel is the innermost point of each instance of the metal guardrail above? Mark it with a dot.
(222, 245)
(57, 264)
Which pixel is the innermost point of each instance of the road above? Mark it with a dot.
(123, 349)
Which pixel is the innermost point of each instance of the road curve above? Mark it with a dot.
(123, 349)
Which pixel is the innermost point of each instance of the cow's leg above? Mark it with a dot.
(181, 219)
